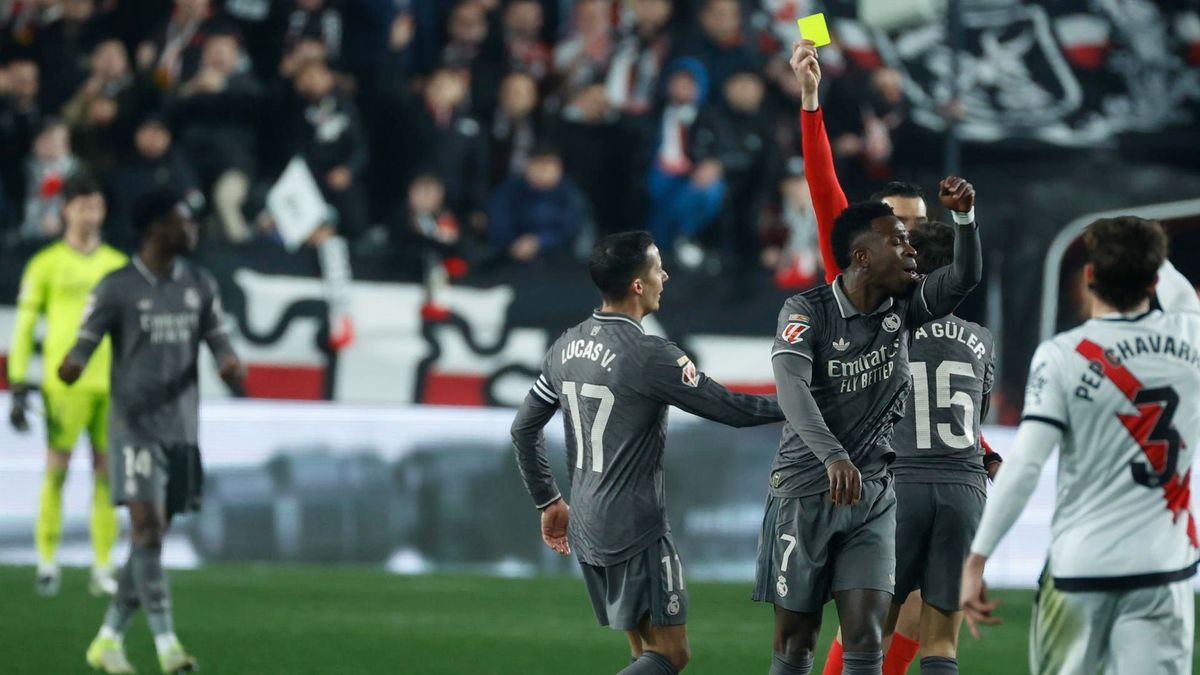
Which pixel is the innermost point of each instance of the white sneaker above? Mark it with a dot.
(49, 578)
(103, 582)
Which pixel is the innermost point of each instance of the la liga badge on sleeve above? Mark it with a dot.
(793, 332)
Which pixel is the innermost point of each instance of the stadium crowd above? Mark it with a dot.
(474, 130)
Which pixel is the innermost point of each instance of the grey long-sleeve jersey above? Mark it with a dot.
(844, 402)
(614, 384)
(156, 326)
(953, 368)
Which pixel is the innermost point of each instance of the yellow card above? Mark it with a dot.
(814, 28)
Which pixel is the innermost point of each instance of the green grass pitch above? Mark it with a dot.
(262, 620)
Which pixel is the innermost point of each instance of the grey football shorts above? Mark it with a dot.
(935, 525)
(157, 473)
(810, 548)
(649, 584)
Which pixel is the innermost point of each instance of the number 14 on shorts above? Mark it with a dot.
(138, 462)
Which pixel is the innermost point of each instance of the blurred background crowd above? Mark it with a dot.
(494, 130)
(489, 142)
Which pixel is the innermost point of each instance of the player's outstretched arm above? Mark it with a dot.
(1175, 293)
(674, 379)
(99, 317)
(827, 196)
(940, 292)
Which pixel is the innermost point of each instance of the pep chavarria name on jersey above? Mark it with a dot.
(1132, 348)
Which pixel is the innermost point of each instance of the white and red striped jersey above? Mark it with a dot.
(1125, 392)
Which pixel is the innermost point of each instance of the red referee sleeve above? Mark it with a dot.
(828, 199)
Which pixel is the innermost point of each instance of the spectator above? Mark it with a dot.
(62, 48)
(685, 196)
(467, 50)
(435, 132)
(523, 39)
(596, 156)
(319, 20)
(514, 127)
(102, 114)
(723, 46)
(332, 142)
(20, 119)
(47, 170)
(582, 58)
(215, 115)
(639, 58)
(282, 101)
(424, 233)
(792, 252)
(155, 163)
(736, 133)
(536, 214)
(174, 52)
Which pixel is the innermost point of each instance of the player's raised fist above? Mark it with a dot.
(956, 194)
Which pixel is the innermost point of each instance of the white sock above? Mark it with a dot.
(109, 634)
(164, 642)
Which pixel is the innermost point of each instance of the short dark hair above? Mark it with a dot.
(617, 260)
(898, 188)
(934, 241)
(79, 184)
(852, 222)
(1126, 253)
(152, 207)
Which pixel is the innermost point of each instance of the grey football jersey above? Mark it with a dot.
(860, 376)
(937, 441)
(156, 326)
(614, 383)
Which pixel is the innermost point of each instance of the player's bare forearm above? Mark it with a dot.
(530, 447)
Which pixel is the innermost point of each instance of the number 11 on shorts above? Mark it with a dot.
(666, 563)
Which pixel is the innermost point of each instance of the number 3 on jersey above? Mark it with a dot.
(595, 444)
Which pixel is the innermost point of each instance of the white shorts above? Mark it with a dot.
(1145, 631)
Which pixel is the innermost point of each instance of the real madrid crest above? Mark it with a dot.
(673, 605)
(891, 322)
(191, 298)
(781, 587)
